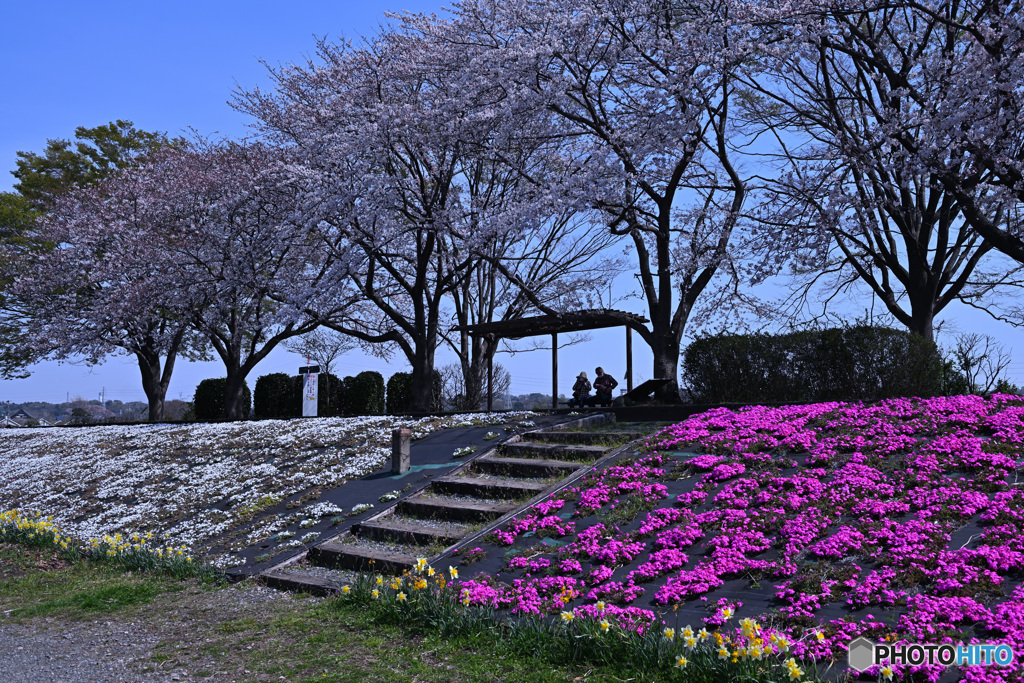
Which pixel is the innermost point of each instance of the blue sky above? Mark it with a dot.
(169, 67)
(172, 66)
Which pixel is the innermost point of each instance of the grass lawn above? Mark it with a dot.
(219, 632)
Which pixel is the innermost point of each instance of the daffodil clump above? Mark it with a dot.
(36, 531)
(596, 633)
(135, 552)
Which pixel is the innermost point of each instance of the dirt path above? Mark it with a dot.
(181, 636)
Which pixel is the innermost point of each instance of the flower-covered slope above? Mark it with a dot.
(192, 484)
(903, 519)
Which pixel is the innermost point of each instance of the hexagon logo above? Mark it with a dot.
(861, 654)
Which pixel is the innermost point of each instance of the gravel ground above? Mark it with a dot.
(45, 652)
(179, 627)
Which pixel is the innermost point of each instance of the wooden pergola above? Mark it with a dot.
(575, 321)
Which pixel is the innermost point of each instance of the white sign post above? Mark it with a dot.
(310, 386)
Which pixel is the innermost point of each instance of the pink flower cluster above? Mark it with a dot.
(924, 493)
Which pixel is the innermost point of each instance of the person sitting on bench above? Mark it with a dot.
(604, 384)
(580, 391)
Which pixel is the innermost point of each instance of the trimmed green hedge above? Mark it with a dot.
(279, 395)
(399, 394)
(364, 394)
(850, 364)
(208, 403)
(276, 396)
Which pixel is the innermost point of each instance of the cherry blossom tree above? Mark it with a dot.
(850, 200)
(42, 178)
(638, 94)
(243, 256)
(395, 142)
(199, 247)
(968, 89)
(106, 286)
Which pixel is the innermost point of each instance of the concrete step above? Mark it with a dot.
(300, 583)
(359, 558)
(487, 488)
(525, 467)
(552, 451)
(302, 577)
(454, 510)
(585, 438)
(409, 532)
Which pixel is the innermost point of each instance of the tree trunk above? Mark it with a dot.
(423, 380)
(234, 391)
(665, 347)
(156, 391)
(922, 310)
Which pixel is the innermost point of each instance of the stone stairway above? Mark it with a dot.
(454, 509)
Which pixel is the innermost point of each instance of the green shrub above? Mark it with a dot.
(855, 363)
(279, 395)
(328, 395)
(208, 403)
(399, 395)
(276, 396)
(364, 394)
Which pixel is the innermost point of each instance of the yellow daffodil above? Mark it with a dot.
(796, 673)
(380, 580)
(605, 625)
(421, 564)
(345, 590)
(669, 633)
(375, 594)
(886, 673)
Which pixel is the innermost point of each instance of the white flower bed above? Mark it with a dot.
(167, 478)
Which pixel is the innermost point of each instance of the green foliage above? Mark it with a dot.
(399, 394)
(1005, 386)
(135, 553)
(571, 638)
(208, 402)
(330, 395)
(276, 396)
(279, 395)
(94, 153)
(16, 219)
(954, 383)
(849, 364)
(364, 394)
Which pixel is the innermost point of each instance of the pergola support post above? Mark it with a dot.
(554, 371)
(629, 359)
(490, 383)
